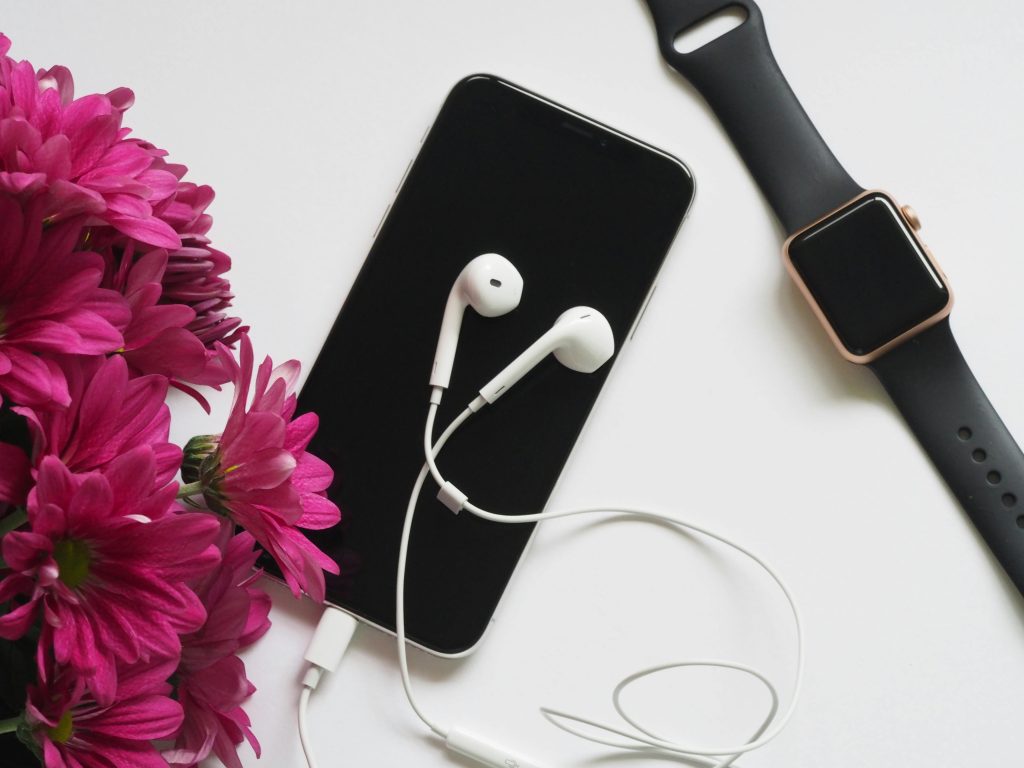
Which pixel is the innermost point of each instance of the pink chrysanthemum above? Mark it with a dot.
(50, 302)
(106, 560)
(259, 473)
(109, 415)
(211, 679)
(194, 275)
(156, 339)
(73, 730)
(166, 334)
(76, 154)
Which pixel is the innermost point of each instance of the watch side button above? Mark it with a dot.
(911, 216)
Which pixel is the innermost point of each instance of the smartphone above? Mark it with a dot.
(587, 215)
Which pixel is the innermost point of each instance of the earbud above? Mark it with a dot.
(581, 339)
(490, 285)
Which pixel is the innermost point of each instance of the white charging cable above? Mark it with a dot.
(641, 739)
(324, 653)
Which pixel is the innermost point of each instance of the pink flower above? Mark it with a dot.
(106, 561)
(179, 299)
(74, 730)
(194, 271)
(212, 684)
(155, 340)
(162, 336)
(75, 156)
(50, 302)
(259, 473)
(75, 152)
(109, 415)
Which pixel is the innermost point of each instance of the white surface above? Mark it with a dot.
(730, 405)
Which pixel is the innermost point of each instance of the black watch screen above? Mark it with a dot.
(868, 274)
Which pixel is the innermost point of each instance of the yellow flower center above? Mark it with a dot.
(62, 732)
(73, 559)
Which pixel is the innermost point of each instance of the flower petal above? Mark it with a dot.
(149, 230)
(141, 718)
(267, 468)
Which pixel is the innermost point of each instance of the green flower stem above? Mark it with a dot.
(10, 725)
(16, 519)
(190, 489)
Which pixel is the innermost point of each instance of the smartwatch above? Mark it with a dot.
(858, 259)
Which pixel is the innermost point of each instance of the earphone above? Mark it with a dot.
(492, 287)
(582, 340)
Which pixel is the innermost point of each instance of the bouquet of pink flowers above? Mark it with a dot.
(125, 595)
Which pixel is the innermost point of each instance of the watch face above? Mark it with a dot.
(868, 274)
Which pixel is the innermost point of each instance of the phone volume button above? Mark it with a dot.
(400, 183)
(381, 222)
(643, 311)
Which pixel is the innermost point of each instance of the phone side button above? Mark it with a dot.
(404, 175)
(379, 223)
(640, 317)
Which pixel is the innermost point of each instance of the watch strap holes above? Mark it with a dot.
(709, 28)
(993, 477)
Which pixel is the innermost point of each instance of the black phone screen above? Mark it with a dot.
(587, 215)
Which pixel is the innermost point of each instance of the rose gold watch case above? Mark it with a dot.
(909, 334)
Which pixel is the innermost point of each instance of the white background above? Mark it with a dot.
(730, 406)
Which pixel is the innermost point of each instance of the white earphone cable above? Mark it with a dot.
(642, 739)
(403, 554)
(304, 740)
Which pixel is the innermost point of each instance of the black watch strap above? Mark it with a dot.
(738, 76)
(931, 384)
(926, 376)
